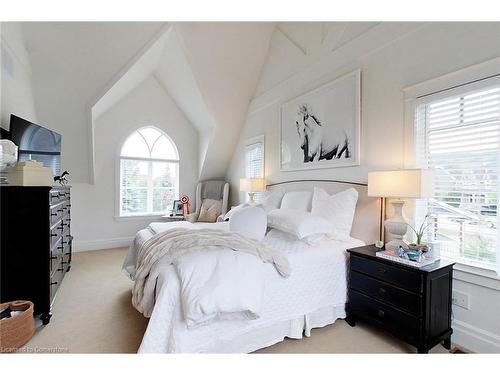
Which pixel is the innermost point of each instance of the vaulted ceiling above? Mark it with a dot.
(211, 70)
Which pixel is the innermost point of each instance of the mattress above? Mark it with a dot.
(313, 296)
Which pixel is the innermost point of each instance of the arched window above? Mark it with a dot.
(149, 173)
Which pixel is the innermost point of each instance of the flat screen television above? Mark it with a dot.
(36, 143)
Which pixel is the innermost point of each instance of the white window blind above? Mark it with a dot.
(149, 173)
(254, 161)
(458, 137)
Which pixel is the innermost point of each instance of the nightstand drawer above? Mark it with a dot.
(385, 292)
(397, 275)
(400, 323)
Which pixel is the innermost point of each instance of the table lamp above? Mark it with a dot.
(404, 183)
(251, 186)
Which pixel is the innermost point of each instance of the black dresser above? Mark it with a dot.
(35, 244)
(414, 304)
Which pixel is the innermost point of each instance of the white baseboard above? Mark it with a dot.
(474, 339)
(109, 243)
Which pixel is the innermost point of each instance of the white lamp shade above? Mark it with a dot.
(252, 185)
(404, 183)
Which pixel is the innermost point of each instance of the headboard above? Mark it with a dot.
(366, 224)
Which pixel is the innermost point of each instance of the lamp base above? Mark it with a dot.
(397, 226)
(250, 198)
(395, 243)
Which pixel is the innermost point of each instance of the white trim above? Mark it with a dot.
(336, 63)
(138, 217)
(109, 243)
(150, 159)
(475, 339)
(458, 77)
(477, 276)
(474, 77)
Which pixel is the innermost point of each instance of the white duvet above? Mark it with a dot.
(313, 296)
(221, 272)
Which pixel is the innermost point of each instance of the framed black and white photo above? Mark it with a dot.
(177, 208)
(321, 129)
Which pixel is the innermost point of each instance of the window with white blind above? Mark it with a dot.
(458, 137)
(149, 173)
(254, 160)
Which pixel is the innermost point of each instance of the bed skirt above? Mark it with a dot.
(276, 332)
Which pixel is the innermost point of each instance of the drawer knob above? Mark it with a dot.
(53, 283)
(380, 313)
(381, 291)
(382, 270)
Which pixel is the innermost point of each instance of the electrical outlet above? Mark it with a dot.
(460, 299)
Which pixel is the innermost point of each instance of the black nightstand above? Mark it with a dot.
(414, 304)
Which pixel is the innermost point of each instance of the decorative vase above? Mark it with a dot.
(397, 226)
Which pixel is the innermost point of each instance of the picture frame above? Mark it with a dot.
(322, 128)
(177, 208)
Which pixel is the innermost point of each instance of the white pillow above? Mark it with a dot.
(338, 209)
(298, 223)
(297, 200)
(233, 209)
(270, 200)
(250, 222)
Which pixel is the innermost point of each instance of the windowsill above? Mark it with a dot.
(476, 275)
(138, 217)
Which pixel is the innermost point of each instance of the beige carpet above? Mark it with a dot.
(92, 313)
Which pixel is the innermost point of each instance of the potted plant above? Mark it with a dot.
(419, 245)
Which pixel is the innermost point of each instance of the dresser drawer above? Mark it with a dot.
(402, 277)
(55, 260)
(56, 213)
(57, 248)
(66, 261)
(398, 322)
(55, 197)
(55, 279)
(388, 293)
(55, 233)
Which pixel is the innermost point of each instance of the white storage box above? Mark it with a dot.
(30, 173)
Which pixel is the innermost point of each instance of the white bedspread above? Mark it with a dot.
(221, 283)
(313, 296)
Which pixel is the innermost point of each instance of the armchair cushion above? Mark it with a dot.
(192, 217)
(210, 210)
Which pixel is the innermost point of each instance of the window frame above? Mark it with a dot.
(119, 216)
(250, 142)
(477, 77)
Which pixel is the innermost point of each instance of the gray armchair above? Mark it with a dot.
(211, 201)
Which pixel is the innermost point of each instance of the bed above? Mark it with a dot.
(313, 296)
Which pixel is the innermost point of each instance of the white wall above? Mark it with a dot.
(94, 225)
(391, 57)
(73, 63)
(16, 89)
